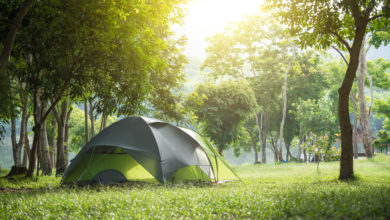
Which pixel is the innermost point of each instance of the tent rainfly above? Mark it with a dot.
(144, 149)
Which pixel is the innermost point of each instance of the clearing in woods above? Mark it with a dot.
(266, 191)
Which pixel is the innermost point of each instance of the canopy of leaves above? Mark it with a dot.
(120, 52)
(322, 23)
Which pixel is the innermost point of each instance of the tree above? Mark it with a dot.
(383, 141)
(221, 109)
(316, 120)
(13, 29)
(254, 49)
(250, 125)
(344, 22)
(382, 107)
(19, 109)
(306, 81)
(77, 128)
(64, 49)
(363, 114)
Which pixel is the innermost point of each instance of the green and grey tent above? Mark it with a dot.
(141, 149)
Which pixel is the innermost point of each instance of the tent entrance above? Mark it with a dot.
(109, 176)
(101, 162)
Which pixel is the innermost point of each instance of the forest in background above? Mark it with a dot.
(265, 85)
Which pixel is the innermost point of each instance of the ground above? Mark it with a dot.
(266, 191)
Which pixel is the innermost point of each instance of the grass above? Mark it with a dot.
(274, 191)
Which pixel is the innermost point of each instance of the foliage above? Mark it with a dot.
(382, 107)
(323, 23)
(257, 49)
(266, 191)
(123, 51)
(320, 147)
(344, 23)
(222, 108)
(379, 71)
(77, 128)
(5, 104)
(306, 81)
(383, 140)
(315, 116)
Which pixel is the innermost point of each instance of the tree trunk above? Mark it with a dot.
(86, 122)
(371, 86)
(304, 150)
(18, 167)
(23, 128)
(17, 146)
(13, 138)
(36, 129)
(9, 40)
(363, 115)
(66, 146)
(102, 122)
(26, 149)
(34, 147)
(287, 152)
(274, 145)
(105, 121)
(258, 124)
(346, 160)
(299, 143)
(53, 142)
(13, 124)
(281, 138)
(38, 123)
(254, 147)
(92, 117)
(66, 149)
(61, 117)
(44, 158)
(60, 165)
(355, 132)
(264, 139)
(25, 158)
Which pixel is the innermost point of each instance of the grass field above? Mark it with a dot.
(277, 191)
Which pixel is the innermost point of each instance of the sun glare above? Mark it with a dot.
(207, 17)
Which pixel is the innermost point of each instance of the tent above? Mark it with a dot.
(147, 149)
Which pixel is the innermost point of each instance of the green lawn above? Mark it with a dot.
(266, 191)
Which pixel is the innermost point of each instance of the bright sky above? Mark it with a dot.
(207, 17)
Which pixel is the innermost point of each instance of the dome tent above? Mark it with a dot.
(140, 148)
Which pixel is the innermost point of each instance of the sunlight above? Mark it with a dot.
(205, 18)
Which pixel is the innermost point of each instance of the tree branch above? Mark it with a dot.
(9, 41)
(375, 17)
(369, 9)
(341, 54)
(55, 114)
(66, 84)
(342, 40)
(356, 13)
